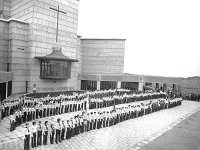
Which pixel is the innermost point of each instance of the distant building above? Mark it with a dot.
(36, 57)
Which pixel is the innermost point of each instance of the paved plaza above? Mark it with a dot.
(130, 134)
(184, 136)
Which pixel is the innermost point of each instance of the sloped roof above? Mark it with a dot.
(56, 55)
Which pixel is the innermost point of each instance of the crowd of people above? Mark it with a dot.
(44, 133)
(27, 109)
(94, 109)
(191, 96)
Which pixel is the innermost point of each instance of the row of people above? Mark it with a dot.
(37, 135)
(32, 108)
(123, 98)
(39, 111)
(191, 96)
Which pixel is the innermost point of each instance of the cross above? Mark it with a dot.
(58, 11)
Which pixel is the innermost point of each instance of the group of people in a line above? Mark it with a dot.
(28, 109)
(121, 98)
(191, 96)
(44, 133)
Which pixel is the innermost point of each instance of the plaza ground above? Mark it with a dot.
(130, 134)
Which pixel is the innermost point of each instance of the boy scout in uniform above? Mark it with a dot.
(52, 133)
(39, 133)
(34, 132)
(45, 132)
(63, 130)
(27, 136)
(58, 131)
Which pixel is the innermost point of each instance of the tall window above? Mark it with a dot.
(106, 85)
(88, 85)
(55, 69)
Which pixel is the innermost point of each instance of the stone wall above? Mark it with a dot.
(17, 54)
(42, 37)
(103, 56)
(3, 45)
(36, 37)
(5, 6)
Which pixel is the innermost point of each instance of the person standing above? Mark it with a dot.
(27, 136)
(67, 136)
(39, 134)
(34, 131)
(12, 122)
(37, 111)
(45, 133)
(63, 130)
(41, 110)
(52, 133)
(58, 131)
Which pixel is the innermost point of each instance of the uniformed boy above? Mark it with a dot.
(45, 132)
(27, 136)
(12, 122)
(58, 131)
(34, 132)
(63, 130)
(52, 133)
(39, 133)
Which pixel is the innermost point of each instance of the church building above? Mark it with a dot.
(40, 51)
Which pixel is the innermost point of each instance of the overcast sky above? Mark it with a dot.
(163, 36)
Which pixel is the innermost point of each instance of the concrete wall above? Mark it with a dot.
(21, 42)
(13, 50)
(3, 45)
(17, 54)
(103, 56)
(5, 6)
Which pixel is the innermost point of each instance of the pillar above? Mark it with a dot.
(119, 84)
(140, 84)
(34, 88)
(6, 89)
(98, 85)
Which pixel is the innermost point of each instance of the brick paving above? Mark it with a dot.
(130, 134)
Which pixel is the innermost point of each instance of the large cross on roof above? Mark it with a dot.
(58, 11)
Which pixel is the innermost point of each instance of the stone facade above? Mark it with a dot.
(34, 35)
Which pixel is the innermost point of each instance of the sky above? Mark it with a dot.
(163, 36)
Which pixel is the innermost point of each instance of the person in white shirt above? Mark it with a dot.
(52, 133)
(27, 136)
(12, 122)
(63, 130)
(45, 132)
(33, 131)
(39, 133)
(58, 131)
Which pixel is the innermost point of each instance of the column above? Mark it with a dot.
(98, 85)
(119, 84)
(6, 89)
(140, 86)
(140, 83)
